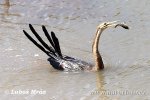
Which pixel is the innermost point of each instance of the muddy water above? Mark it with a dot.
(125, 53)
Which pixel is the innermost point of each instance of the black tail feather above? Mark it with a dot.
(53, 41)
(53, 51)
(38, 45)
(56, 43)
(40, 39)
(48, 36)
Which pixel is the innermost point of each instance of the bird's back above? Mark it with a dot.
(70, 64)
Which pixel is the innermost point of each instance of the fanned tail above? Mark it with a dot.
(38, 45)
(56, 42)
(52, 51)
(53, 41)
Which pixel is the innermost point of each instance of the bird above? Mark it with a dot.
(63, 62)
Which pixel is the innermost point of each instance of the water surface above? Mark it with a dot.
(125, 52)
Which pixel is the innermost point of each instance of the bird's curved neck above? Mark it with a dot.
(97, 57)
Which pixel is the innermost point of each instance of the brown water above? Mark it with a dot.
(125, 52)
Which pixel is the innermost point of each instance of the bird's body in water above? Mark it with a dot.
(66, 63)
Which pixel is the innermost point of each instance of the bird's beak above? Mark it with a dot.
(116, 24)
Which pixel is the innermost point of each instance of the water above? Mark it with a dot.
(125, 52)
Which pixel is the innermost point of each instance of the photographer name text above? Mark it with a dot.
(27, 91)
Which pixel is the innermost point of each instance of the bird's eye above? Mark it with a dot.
(105, 23)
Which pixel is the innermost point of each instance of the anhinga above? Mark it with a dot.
(66, 63)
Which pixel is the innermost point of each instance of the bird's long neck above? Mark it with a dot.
(97, 57)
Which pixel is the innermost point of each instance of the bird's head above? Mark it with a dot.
(114, 24)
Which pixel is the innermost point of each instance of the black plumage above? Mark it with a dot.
(56, 59)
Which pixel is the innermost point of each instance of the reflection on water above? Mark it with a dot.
(100, 86)
(125, 53)
(6, 7)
